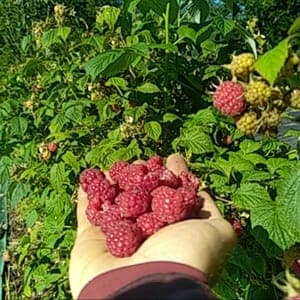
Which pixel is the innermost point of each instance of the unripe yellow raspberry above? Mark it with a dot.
(258, 93)
(271, 118)
(248, 123)
(242, 65)
(295, 99)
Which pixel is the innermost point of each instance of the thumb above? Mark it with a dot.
(176, 163)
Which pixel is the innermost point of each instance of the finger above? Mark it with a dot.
(209, 209)
(82, 203)
(176, 164)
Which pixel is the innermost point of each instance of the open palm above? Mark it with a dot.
(201, 243)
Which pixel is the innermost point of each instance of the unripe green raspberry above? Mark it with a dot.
(248, 123)
(258, 93)
(295, 99)
(271, 118)
(242, 65)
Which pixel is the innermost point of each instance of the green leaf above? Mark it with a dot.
(70, 159)
(57, 123)
(117, 81)
(31, 218)
(58, 175)
(74, 113)
(98, 64)
(274, 164)
(18, 194)
(148, 88)
(249, 146)
(239, 162)
(195, 141)
(289, 198)
(270, 64)
(250, 195)
(18, 126)
(225, 26)
(169, 117)
(132, 5)
(295, 27)
(269, 215)
(199, 7)
(184, 31)
(53, 36)
(153, 130)
(110, 16)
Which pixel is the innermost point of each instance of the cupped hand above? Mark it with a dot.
(201, 243)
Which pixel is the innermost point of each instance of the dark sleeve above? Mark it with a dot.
(149, 281)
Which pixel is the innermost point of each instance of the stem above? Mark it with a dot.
(167, 17)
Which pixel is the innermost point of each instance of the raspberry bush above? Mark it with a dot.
(91, 87)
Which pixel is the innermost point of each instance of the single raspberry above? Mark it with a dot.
(101, 191)
(237, 227)
(229, 98)
(133, 203)
(189, 179)
(116, 169)
(189, 196)
(168, 205)
(151, 181)
(154, 163)
(149, 223)
(258, 93)
(271, 118)
(296, 267)
(168, 178)
(242, 65)
(295, 99)
(90, 175)
(132, 176)
(109, 218)
(248, 123)
(52, 147)
(93, 215)
(123, 239)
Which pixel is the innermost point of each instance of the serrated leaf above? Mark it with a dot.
(249, 146)
(120, 64)
(57, 123)
(148, 88)
(70, 159)
(132, 5)
(117, 81)
(269, 215)
(204, 116)
(274, 164)
(18, 126)
(255, 158)
(99, 63)
(184, 31)
(256, 176)
(239, 162)
(289, 197)
(55, 35)
(74, 113)
(153, 130)
(225, 26)
(196, 141)
(270, 64)
(127, 153)
(169, 117)
(110, 16)
(199, 7)
(249, 195)
(222, 165)
(295, 26)
(58, 176)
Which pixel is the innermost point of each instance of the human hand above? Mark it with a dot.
(201, 243)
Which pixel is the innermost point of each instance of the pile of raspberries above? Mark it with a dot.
(142, 199)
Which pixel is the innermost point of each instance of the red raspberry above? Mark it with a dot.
(116, 169)
(229, 98)
(101, 191)
(150, 181)
(133, 203)
(93, 215)
(191, 200)
(90, 175)
(123, 239)
(296, 267)
(109, 218)
(168, 204)
(154, 163)
(52, 147)
(132, 176)
(149, 223)
(237, 227)
(168, 178)
(189, 180)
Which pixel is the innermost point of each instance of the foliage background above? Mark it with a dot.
(125, 82)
